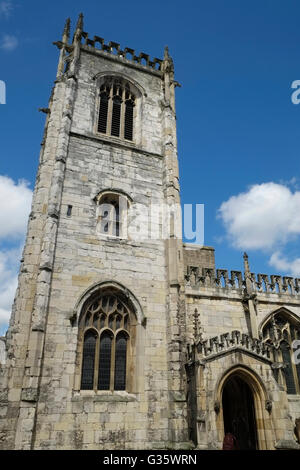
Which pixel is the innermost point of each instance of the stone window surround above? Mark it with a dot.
(136, 360)
(291, 319)
(111, 329)
(124, 200)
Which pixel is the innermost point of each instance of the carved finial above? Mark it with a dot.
(246, 263)
(63, 45)
(168, 62)
(166, 53)
(196, 316)
(73, 66)
(79, 28)
(79, 24)
(66, 33)
(197, 327)
(275, 329)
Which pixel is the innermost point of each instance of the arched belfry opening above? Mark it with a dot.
(239, 412)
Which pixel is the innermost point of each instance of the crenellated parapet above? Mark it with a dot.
(115, 49)
(275, 283)
(81, 39)
(261, 283)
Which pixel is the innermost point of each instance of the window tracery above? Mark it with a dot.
(281, 331)
(105, 333)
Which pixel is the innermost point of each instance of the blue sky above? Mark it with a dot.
(238, 130)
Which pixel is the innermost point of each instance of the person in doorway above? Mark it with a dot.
(229, 442)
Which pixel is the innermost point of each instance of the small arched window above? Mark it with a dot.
(112, 210)
(281, 331)
(116, 108)
(105, 344)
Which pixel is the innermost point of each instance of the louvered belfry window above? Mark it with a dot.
(116, 109)
(105, 335)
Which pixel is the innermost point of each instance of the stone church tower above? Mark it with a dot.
(119, 341)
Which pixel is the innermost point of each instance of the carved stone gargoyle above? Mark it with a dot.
(268, 405)
(217, 406)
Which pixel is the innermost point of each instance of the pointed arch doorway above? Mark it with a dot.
(239, 412)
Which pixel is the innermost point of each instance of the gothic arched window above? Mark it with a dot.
(281, 331)
(116, 108)
(104, 335)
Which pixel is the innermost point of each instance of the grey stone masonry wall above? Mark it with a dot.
(223, 298)
(200, 257)
(82, 259)
(65, 258)
(225, 317)
(32, 268)
(2, 350)
(149, 120)
(194, 325)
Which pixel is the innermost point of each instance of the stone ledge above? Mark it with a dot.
(295, 398)
(283, 444)
(177, 396)
(187, 445)
(117, 143)
(104, 396)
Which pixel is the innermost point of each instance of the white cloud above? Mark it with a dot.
(6, 7)
(15, 201)
(292, 182)
(9, 264)
(4, 317)
(264, 217)
(281, 263)
(9, 42)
